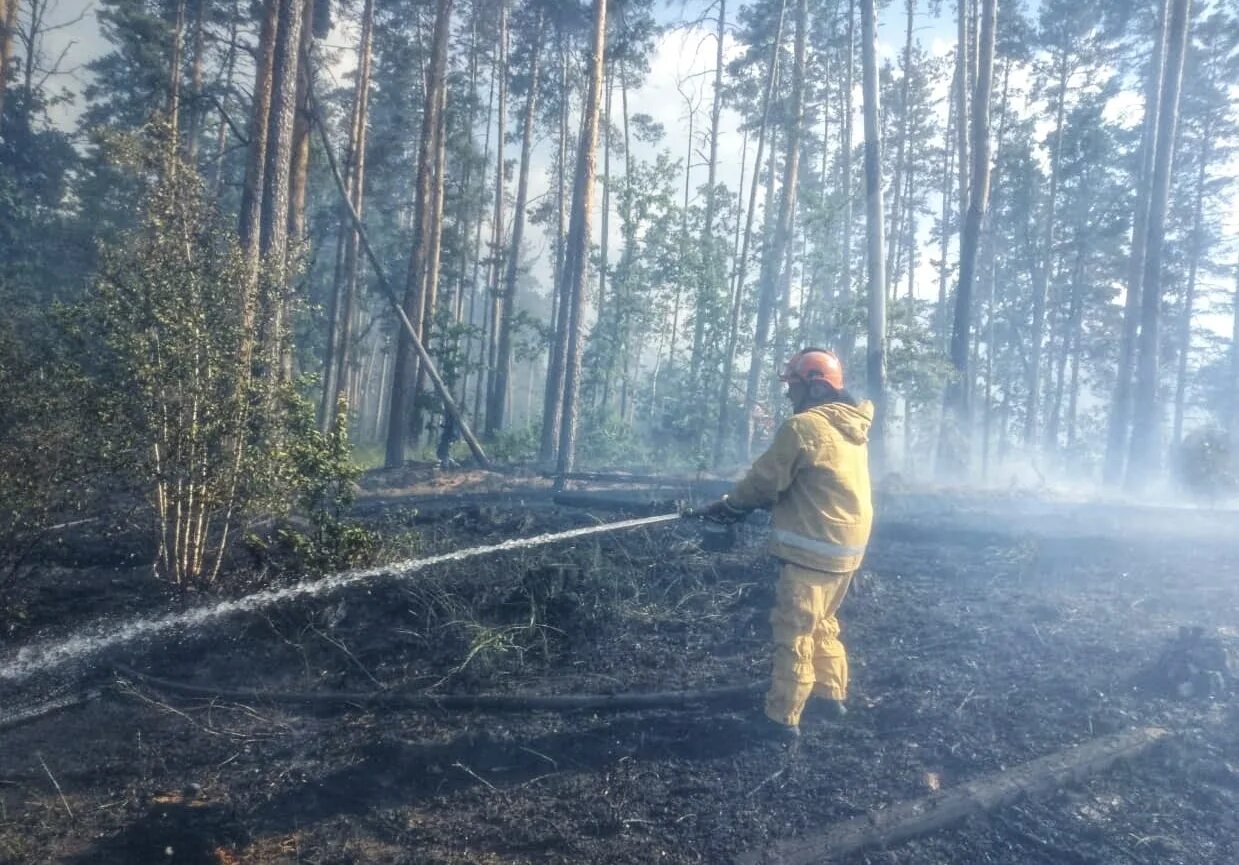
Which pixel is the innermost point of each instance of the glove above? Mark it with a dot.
(719, 512)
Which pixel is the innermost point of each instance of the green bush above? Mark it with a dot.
(1207, 465)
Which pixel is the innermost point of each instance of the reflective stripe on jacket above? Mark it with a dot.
(815, 479)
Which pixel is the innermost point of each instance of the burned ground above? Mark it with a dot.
(982, 635)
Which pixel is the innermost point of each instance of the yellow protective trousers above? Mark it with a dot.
(809, 660)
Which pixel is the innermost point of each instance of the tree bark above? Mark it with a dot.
(1042, 275)
(495, 415)
(404, 374)
(707, 296)
(552, 406)
(954, 445)
(847, 336)
(1145, 461)
(1119, 427)
(875, 352)
(8, 29)
(340, 313)
(773, 260)
(741, 262)
(576, 264)
(1189, 296)
(256, 158)
(902, 152)
(494, 282)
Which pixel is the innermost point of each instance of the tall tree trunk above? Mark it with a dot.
(1232, 424)
(404, 372)
(256, 158)
(741, 262)
(847, 337)
(1144, 461)
(193, 128)
(1189, 296)
(1118, 430)
(221, 135)
(963, 60)
(902, 151)
(1042, 275)
(576, 264)
(434, 259)
(954, 445)
(340, 311)
(776, 253)
(503, 363)
(175, 64)
(494, 281)
(552, 406)
(875, 351)
(8, 29)
(707, 295)
(300, 167)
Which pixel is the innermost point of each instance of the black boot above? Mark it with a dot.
(769, 730)
(830, 710)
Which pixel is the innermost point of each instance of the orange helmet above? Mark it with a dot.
(815, 364)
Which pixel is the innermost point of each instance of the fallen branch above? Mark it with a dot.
(458, 702)
(920, 816)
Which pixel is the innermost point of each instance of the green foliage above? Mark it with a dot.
(514, 445)
(323, 479)
(45, 472)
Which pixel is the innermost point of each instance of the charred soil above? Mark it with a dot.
(982, 635)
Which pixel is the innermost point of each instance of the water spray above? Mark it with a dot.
(53, 654)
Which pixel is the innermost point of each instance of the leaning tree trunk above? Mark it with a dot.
(1144, 460)
(954, 443)
(577, 258)
(1119, 426)
(772, 261)
(737, 281)
(875, 352)
(404, 373)
(503, 360)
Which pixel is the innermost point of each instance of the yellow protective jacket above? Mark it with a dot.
(815, 479)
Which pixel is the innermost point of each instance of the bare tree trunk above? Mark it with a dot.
(1042, 275)
(256, 160)
(707, 295)
(741, 262)
(1119, 427)
(434, 259)
(8, 29)
(340, 313)
(1145, 458)
(494, 281)
(954, 445)
(875, 352)
(577, 253)
(476, 265)
(301, 133)
(495, 414)
(404, 372)
(552, 406)
(197, 107)
(1233, 409)
(902, 152)
(1189, 297)
(777, 252)
(963, 60)
(847, 337)
(175, 63)
(221, 136)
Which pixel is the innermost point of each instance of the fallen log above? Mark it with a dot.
(455, 702)
(882, 828)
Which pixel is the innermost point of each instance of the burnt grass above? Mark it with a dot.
(980, 637)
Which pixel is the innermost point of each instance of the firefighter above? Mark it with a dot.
(815, 480)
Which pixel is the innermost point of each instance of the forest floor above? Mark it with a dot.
(984, 632)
